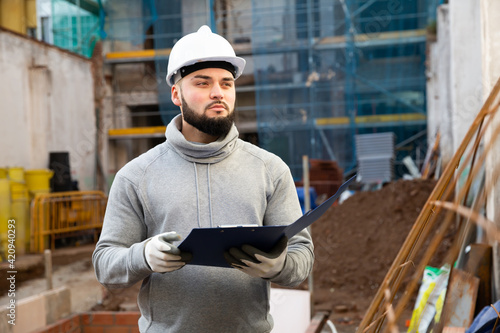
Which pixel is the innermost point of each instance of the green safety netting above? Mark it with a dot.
(75, 25)
(328, 70)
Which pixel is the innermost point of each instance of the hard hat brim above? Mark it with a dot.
(237, 62)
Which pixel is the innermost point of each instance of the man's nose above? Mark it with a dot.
(216, 92)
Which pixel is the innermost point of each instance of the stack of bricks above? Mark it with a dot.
(96, 322)
(325, 177)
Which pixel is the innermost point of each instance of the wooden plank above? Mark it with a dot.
(479, 263)
(454, 330)
(460, 302)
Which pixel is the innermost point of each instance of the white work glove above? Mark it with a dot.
(162, 256)
(257, 263)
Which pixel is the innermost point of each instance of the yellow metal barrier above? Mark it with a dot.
(64, 214)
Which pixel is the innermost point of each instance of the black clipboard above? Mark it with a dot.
(207, 245)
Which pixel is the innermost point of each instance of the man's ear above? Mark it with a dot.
(176, 95)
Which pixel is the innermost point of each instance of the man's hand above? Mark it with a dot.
(162, 256)
(257, 263)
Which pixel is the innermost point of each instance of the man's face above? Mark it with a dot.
(207, 99)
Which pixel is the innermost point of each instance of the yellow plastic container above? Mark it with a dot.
(38, 180)
(18, 190)
(5, 214)
(20, 213)
(16, 174)
(3, 173)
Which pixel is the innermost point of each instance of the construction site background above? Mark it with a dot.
(318, 72)
(386, 89)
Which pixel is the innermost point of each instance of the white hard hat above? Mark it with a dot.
(201, 47)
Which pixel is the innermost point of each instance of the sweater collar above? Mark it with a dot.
(196, 152)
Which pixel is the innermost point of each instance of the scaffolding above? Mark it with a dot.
(319, 72)
(326, 71)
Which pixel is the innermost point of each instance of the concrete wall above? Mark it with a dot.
(490, 11)
(438, 82)
(455, 88)
(47, 105)
(466, 82)
(490, 32)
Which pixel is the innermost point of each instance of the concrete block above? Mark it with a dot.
(4, 322)
(36, 312)
(57, 304)
(30, 314)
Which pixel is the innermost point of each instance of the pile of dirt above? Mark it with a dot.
(356, 243)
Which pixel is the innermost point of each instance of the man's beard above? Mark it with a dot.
(217, 126)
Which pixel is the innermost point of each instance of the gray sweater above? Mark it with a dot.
(180, 185)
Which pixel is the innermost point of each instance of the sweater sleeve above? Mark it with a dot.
(119, 259)
(284, 208)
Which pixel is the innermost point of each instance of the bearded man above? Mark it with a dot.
(202, 176)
